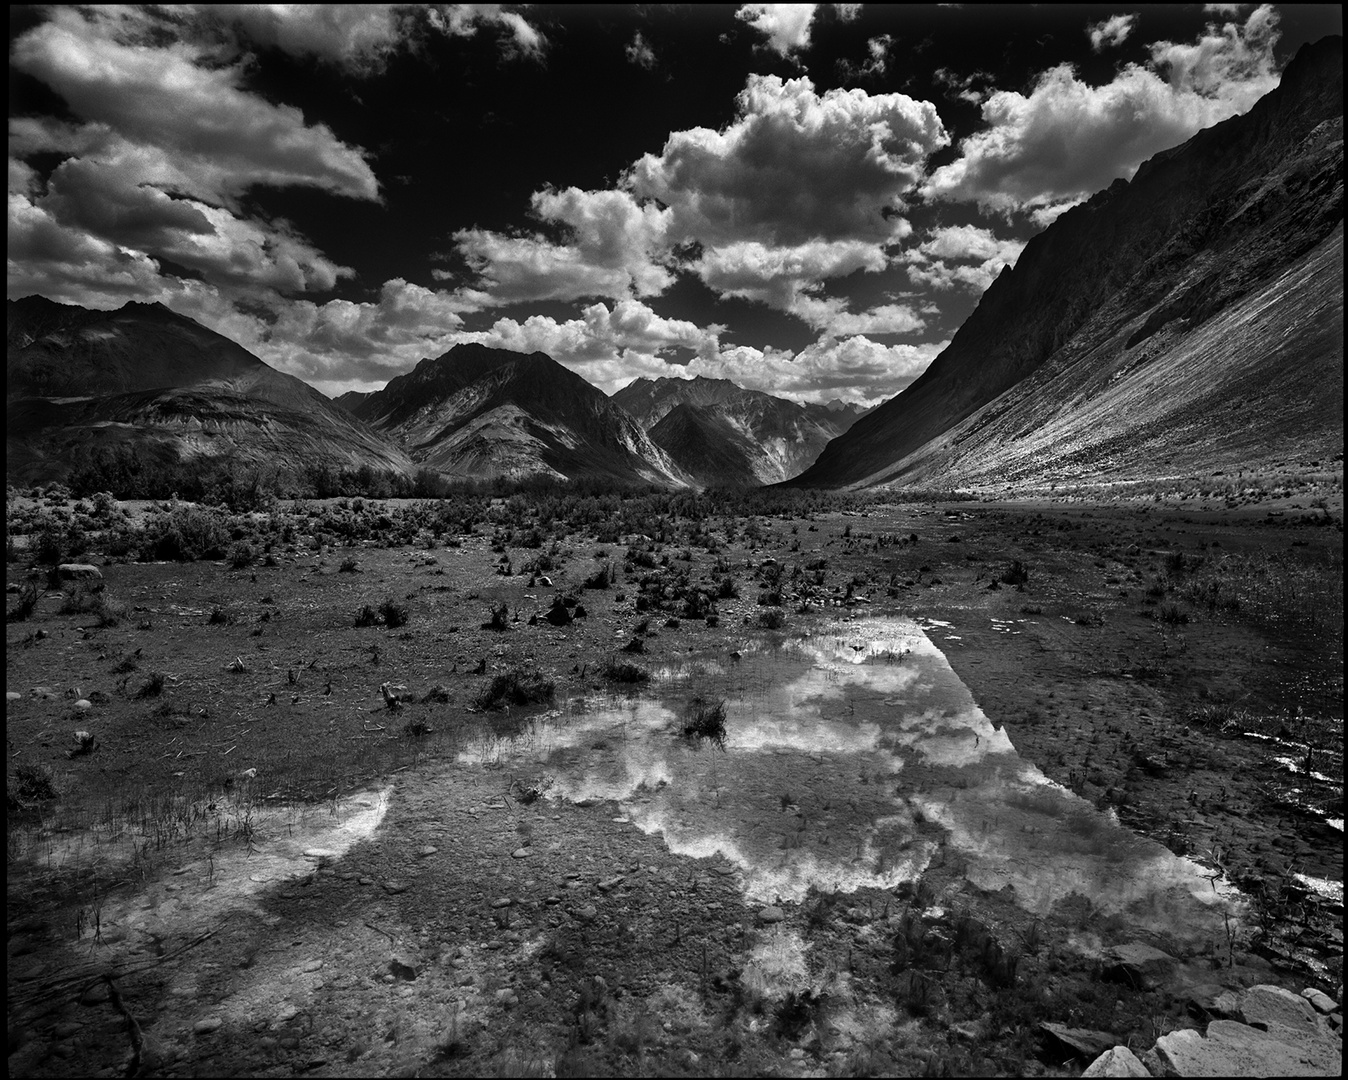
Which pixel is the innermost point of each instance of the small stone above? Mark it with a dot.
(611, 884)
(13, 695)
(521, 853)
(67, 1028)
(84, 703)
(1116, 1061)
(427, 851)
(311, 965)
(79, 572)
(395, 887)
(288, 1012)
(586, 913)
(208, 1025)
(771, 914)
(502, 901)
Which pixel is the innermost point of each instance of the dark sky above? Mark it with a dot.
(807, 199)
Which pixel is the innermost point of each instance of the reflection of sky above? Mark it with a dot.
(837, 747)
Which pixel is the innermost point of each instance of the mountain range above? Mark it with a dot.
(1186, 321)
(722, 434)
(477, 411)
(146, 382)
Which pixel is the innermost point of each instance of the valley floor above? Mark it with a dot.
(272, 869)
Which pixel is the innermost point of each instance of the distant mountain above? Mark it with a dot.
(477, 411)
(350, 399)
(159, 385)
(1186, 321)
(775, 438)
(708, 446)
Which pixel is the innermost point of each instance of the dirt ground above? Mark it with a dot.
(1180, 665)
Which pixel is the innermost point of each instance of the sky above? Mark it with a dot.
(807, 199)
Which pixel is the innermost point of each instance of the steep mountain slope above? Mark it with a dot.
(1187, 320)
(165, 388)
(477, 411)
(779, 438)
(708, 446)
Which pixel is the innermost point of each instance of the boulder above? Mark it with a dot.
(1137, 964)
(1065, 1043)
(1235, 1049)
(73, 571)
(1320, 1001)
(1116, 1061)
(1271, 1007)
(1208, 1001)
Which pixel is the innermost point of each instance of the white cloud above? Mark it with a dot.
(777, 276)
(69, 265)
(854, 369)
(357, 36)
(786, 26)
(1067, 139)
(607, 346)
(940, 260)
(639, 52)
(848, 12)
(794, 166)
(340, 343)
(462, 20)
(611, 250)
(171, 101)
(1110, 32)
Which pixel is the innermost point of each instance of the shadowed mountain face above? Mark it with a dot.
(1186, 321)
(774, 438)
(164, 388)
(482, 412)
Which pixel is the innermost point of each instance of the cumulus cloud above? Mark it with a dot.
(1110, 32)
(779, 276)
(607, 346)
(1067, 139)
(786, 26)
(794, 166)
(69, 265)
(341, 343)
(855, 369)
(965, 255)
(610, 250)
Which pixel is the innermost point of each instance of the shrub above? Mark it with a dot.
(499, 617)
(394, 615)
(772, 619)
(367, 616)
(241, 555)
(705, 720)
(615, 670)
(32, 784)
(153, 686)
(1015, 574)
(28, 597)
(517, 687)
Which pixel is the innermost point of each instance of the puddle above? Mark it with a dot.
(855, 758)
(201, 878)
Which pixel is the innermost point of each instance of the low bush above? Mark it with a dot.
(520, 686)
(705, 719)
(615, 670)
